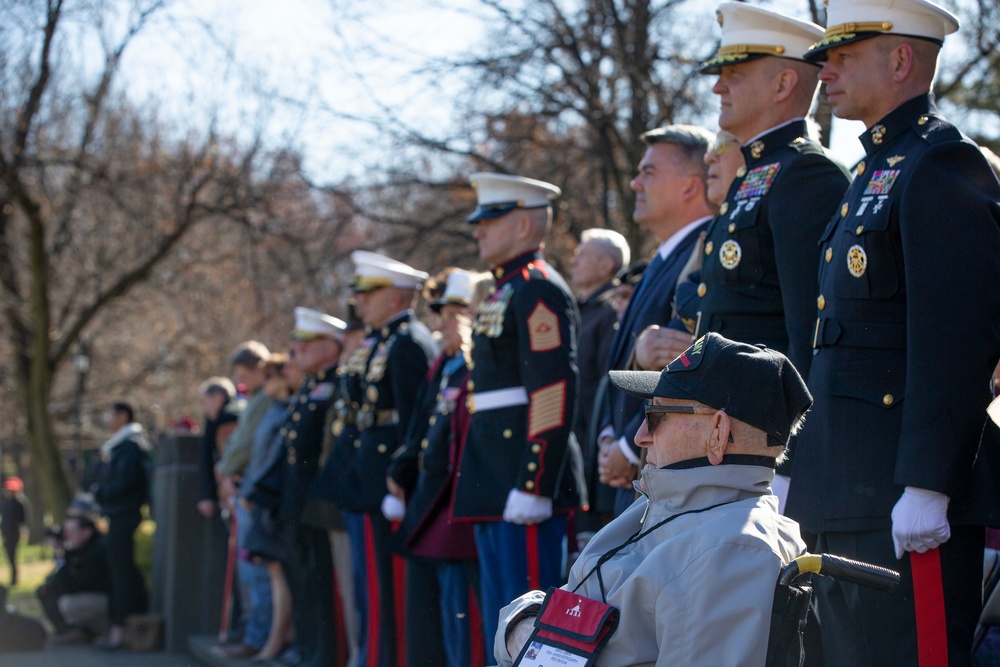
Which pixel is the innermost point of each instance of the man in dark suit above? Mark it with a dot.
(671, 203)
(893, 467)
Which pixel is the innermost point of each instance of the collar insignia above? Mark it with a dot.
(878, 134)
(757, 148)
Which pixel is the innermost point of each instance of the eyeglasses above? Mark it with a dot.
(722, 144)
(656, 413)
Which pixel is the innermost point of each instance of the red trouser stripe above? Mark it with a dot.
(227, 584)
(341, 619)
(534, 568)
(399, 597)
(928, 600)
(374, 621)
(478, 652)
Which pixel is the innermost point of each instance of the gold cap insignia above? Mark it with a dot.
(730, 254)
(857, 261)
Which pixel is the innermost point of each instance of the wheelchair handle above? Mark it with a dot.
(842, 569)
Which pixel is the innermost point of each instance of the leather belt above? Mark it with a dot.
(368, 418)
(878, 335)
(496, 399)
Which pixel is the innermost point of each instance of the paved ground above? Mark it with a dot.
(86, 656)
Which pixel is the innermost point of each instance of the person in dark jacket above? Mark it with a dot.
(12, 517)
(441, 568)
(122, 491)
(75, 597)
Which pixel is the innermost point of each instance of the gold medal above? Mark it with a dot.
(730, 254)
(857, 261)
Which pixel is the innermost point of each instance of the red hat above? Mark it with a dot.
(14, 484)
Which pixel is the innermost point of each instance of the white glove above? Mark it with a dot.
(393, 508)
(920, 521)
(526, 509)
(779, 487)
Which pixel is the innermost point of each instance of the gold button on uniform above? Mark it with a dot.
(529, 485)
(357, 444)
(532, 467)
(861, 168)
(535, 449)
(470, 385)
(888, 399)
(424, 444)
(732, 227)
(471, 365)
(859, 230)
(291, 457)
(296, 417)
(702, 289)
(829, 254)
(433, 420)
(844, 209)
(821, 302)
(922, 120)
(292, 435)
(507, 433)
(724, 208)
(741, 172)
(709, 247)
(382, 449)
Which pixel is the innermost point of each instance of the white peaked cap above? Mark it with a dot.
(750, 32)
(853, 20)
(372, 271)
(499, 194)
(458, 290)
(311, 324)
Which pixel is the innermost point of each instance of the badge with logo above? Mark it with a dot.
(730, 254)
(570, 631)
(857, 261)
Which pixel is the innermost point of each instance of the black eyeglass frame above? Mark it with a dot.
(655, 414)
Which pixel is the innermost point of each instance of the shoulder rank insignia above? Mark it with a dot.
(758, 181)
(730, 254)
(881, 182)
(857, 261)
(543, 329)
(895, 159)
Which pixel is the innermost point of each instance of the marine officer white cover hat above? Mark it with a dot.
(854, 20)
(458, 291)
(312, 325)
(372, 271)
(499, 194)
(750, 32)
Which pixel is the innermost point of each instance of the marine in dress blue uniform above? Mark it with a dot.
(758, 275)
(309, 563)
(905, 344)
(401, 348)
(521, 467)
(442, 628)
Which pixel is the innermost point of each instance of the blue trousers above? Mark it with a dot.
(356, 534)
(503, 564)
(257, 582)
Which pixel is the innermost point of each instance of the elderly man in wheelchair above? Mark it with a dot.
(687, 575)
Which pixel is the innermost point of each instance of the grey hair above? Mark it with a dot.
(693, 142)
(610, 242)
